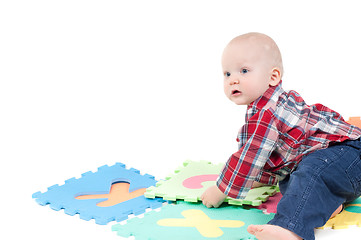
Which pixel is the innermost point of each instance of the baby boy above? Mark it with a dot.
(312, 153)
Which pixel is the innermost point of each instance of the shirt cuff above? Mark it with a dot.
(233, 191)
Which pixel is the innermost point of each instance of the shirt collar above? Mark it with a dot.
(268, 99)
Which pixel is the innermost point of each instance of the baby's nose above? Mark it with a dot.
(234, 81)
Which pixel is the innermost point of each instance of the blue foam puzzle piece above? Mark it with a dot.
(63, 197)
(150, 227)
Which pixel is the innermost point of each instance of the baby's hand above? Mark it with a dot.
(213, 197)
(258, 184)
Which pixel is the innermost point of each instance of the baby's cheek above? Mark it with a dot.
(226, 90)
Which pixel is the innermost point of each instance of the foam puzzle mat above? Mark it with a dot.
(110, 194)
(193, 221)
(193, 178)
(271, 205)
(356, 121)
(114, 192)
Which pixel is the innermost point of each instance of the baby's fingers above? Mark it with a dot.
(206, 203)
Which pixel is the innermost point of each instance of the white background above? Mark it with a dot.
(89, 83)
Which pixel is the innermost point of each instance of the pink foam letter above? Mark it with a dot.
(195, 182)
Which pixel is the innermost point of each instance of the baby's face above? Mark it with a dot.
(246, 72)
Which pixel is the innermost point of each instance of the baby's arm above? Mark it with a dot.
(246, 165)
(258, 184)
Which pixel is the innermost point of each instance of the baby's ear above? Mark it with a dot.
(275, 77)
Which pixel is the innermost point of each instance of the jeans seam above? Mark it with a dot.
(295, 218)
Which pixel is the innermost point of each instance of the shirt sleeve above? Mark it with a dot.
(246, 165)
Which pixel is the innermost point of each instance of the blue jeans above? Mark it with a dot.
(323, 181)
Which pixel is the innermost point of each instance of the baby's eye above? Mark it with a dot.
(244, 70)
(227, 74)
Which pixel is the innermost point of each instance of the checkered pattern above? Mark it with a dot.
(280, 129)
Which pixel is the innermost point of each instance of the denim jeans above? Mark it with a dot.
(323, 181)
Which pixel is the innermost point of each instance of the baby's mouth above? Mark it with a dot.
(236, 92)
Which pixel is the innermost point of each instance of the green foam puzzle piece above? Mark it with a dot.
(193, 178)
(255, 196)
(193, 221)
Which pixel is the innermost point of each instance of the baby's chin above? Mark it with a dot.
(241, 101)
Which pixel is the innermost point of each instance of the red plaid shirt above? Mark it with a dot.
(280, 129)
